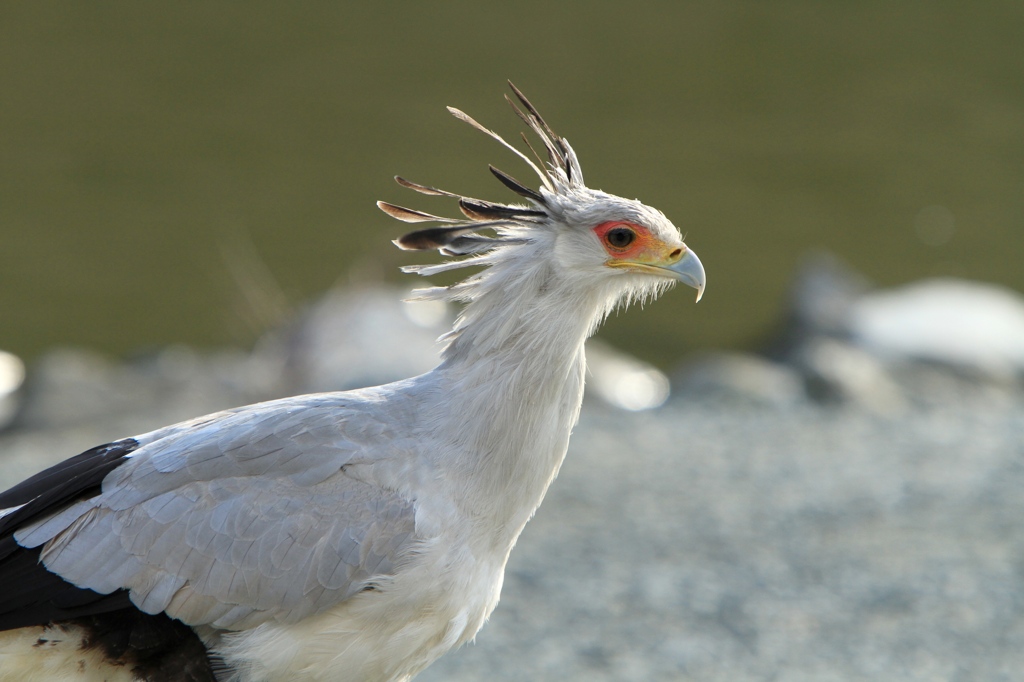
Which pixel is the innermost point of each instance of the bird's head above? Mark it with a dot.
(598, 240)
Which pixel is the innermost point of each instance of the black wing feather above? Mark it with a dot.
(73, 479)
(34, 595)
(156, 647)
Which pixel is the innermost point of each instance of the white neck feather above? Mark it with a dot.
(514, 372)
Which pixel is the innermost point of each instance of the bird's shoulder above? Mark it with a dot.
(350, 420)
(233, 518)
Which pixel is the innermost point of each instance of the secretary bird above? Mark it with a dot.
(341, 536)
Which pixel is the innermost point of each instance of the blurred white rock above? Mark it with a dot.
(838, 372)
(351, 338)
(12, 376)
(739, 377)
(961, 323)
(622, 380)
(69, 387)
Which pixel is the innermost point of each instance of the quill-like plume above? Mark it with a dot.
(458, 236)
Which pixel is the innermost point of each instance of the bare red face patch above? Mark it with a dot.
(625, 240)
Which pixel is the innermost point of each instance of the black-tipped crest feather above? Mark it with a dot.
(432, 238)
(408, 215)
(535, 114)
(466, 118)
(425, 189)
(459, 237)
(516, 186)
(553, 156)
(558, 150)
(441, 237)
(486, 210)
(530, 146)
(474, 209)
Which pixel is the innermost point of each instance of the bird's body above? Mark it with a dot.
(340, 536)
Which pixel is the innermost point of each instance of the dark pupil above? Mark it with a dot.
(620, 237)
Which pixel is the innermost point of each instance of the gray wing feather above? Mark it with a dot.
(238, 518)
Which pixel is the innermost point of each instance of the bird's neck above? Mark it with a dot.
(514, 370)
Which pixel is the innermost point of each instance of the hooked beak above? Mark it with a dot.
(689, 271)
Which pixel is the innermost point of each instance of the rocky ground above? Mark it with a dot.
(717, 542)
(845, 506)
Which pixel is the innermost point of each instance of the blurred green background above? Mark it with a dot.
(141, 142)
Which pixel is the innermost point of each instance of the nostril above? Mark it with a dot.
(676, 253)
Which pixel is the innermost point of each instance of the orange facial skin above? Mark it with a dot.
(643, 249)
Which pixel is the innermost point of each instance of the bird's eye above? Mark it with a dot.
(620, 237)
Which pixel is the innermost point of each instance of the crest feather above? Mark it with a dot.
(458, 237)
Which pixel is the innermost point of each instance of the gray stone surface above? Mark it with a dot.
(699, 543)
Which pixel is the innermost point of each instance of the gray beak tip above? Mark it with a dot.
(690, 271)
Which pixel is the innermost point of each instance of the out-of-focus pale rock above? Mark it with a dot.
(838, 372)
(70, 387)
(368, 336)
(12, 376)
(739, 377)
(622, 380)
(961, 323)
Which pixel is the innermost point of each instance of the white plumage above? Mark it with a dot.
(356, 535)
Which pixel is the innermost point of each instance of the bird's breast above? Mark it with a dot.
(438, 601)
